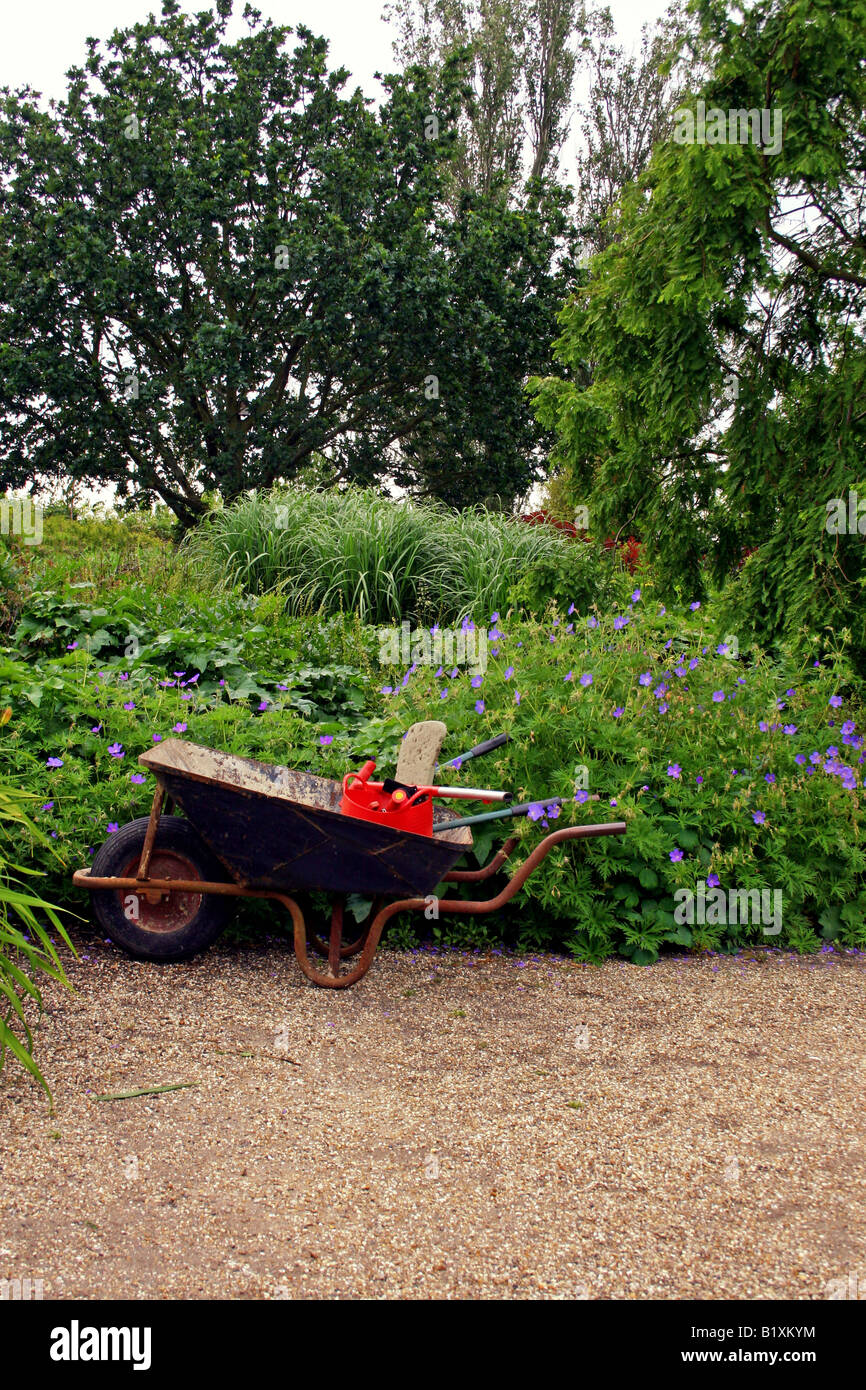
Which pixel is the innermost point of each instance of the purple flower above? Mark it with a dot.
(676, 855)
(718, 696)
(387, 690)
(476, 681)
(569, 677)
(694, 662)
(517, 697)
(325, 739)
(618, 712)
(178, 728)
(49, 806)
(800, 758)
(679, 670)
(646, 678)
(620, 622)
(443, 694)
(758, 817)
(721, 649)
(660, 692)
(509, 672)
(70, 646)
(586, 678)
(54, 762)
(635, 596)
(136, 777)
(112, 826)
(790, 729)
(699, 780)
(116, 750)
(97, 729)
(848, 728)
(674, 770)
(581, 796)
(592, 622)
(263, 704)
(835, 701)
(129, 704)
(479, 706)
(663, 708)
(763, 726)
(157, 738)
(713, 880)
(768, 777)
(536, 811)
(694, 606)
(815, 758)
(571, 609)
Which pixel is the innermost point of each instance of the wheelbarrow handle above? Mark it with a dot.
(511, 811)
(479, 749)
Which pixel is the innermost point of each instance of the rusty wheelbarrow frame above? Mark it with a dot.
(361, 951)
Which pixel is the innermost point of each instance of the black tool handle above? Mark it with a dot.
(480, 748)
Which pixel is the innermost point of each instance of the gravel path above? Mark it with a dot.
(453, 1127)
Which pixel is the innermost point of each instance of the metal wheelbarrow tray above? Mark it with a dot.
(254, 830)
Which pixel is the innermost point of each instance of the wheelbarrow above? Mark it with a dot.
(165, 886)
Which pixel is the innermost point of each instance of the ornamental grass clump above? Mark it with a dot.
(383, 559)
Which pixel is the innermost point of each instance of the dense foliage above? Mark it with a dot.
(715, 365)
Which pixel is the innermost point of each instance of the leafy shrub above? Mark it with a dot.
(27, 948)
(744, 772)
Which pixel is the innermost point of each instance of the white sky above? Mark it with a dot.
(42, 38)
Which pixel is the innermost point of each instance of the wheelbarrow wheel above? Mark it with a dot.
(155, 925)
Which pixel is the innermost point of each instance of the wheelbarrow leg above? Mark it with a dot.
(336, 939)
(332, 979)
(323, 948)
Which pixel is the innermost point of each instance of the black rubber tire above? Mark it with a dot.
(201, 917)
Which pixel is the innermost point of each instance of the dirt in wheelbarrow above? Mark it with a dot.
(455, 1127)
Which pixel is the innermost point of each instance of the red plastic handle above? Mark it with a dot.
(362, 775)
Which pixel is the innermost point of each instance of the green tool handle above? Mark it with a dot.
(507, 814)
